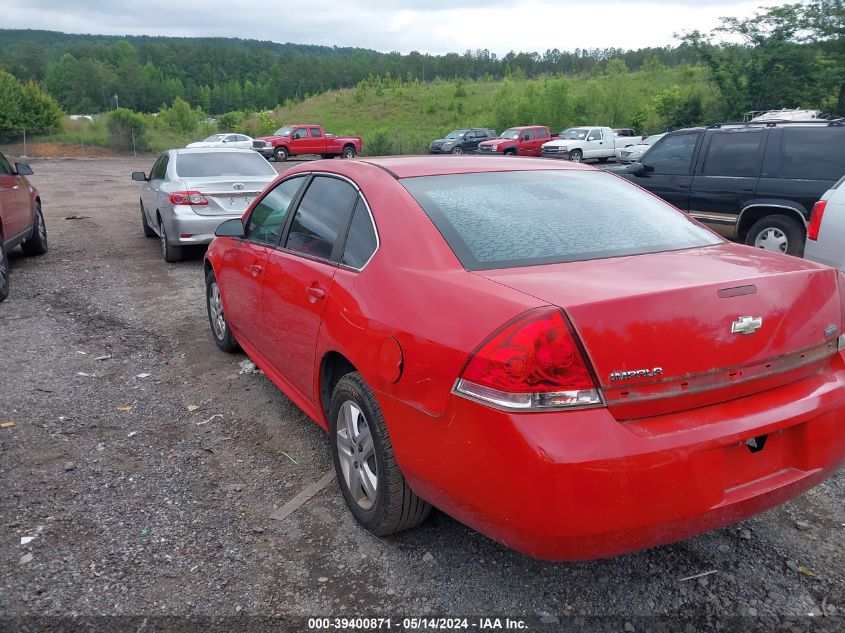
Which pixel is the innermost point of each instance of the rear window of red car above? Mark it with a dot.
(510, 219)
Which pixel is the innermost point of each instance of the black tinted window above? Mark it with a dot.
(812, 153)
(217, 163)
(160, 168)
(268, 217)
(315, 132)
(539, 217)
(734, 153)
(542, 134)
(673, 155)
(5, 167)
(321, 216)
(361, 242)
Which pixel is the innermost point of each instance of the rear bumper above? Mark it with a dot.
(581, 485)
(198, 229)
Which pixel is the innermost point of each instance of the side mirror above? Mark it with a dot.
(230, 228)
(140, 176)
(23, 169)
(638, 169)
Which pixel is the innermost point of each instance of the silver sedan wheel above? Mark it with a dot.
(772, 239)
(357, 454)
(162, 234)
(215, 308)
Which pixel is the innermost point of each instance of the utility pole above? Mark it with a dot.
(116, 102)
(24, 143)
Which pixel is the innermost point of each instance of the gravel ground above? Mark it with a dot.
(145, 467)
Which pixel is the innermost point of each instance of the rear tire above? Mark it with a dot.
(170, 252)
(281, 155)
(4, 272)
(148, 230)
(777, 233)
(576, 156)
(369, 477)
(348, 152)
(37, 243)
(220, 329)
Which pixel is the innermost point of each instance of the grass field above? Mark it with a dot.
(397, 117)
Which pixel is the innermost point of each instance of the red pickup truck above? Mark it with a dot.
(296, 140)
(518, 141)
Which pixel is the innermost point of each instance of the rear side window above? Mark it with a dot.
(504, 220)
(812, 153)
(361, 242)
(542, 134)
(268, 217)
(322, 215)
(315, 132)
(222, 164)
(735, 153)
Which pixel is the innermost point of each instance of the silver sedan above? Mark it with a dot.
(189, 192)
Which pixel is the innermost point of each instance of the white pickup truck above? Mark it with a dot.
(592, 142)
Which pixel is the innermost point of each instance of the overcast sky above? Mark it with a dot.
(435, 26)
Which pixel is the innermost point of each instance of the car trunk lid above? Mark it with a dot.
(677, 330)
(226, 196)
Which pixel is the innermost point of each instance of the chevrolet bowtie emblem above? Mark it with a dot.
(746, 325)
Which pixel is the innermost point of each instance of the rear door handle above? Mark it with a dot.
(315, 294)
(255, 269)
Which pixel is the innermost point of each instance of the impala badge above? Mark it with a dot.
(746, 325)
(238, 186)
(656, 372)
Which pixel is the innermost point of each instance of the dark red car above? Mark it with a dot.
(21, 219)
(572, 367)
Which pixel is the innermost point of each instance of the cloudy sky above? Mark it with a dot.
(435, 26)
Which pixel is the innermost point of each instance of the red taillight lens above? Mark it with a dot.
(193, 198)
(532, 363)
(816, 220)
(840, 282)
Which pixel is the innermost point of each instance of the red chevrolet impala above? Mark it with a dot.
(544, 351)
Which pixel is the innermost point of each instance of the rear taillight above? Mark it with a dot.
(193, 198)
(532, 363)
(840, 282)
(816, 220)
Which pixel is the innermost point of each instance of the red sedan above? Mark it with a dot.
(543, 351)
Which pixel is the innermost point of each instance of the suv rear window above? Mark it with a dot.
(812, 153)
(504, 220)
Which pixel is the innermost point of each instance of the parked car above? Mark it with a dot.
(190, 191)
(460, 141)
(826, 230)
(633, 153)
(612, 375)
(517, 141)
(239, 141)
(304, 139)
(752, 182)
(21, 218)
(582, 143)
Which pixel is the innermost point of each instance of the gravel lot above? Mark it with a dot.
(146, 467)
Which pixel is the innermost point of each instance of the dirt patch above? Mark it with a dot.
(59, 150)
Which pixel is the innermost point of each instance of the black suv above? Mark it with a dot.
(753, 182)
(460, 141)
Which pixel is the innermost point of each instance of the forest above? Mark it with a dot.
(792, 55)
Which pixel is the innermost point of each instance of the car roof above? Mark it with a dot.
(418, 166)
(833, 123)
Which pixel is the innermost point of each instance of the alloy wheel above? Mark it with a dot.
(357, 454)
(215, 308)
(772, 239)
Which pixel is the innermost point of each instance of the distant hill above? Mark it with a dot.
(56, 43)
